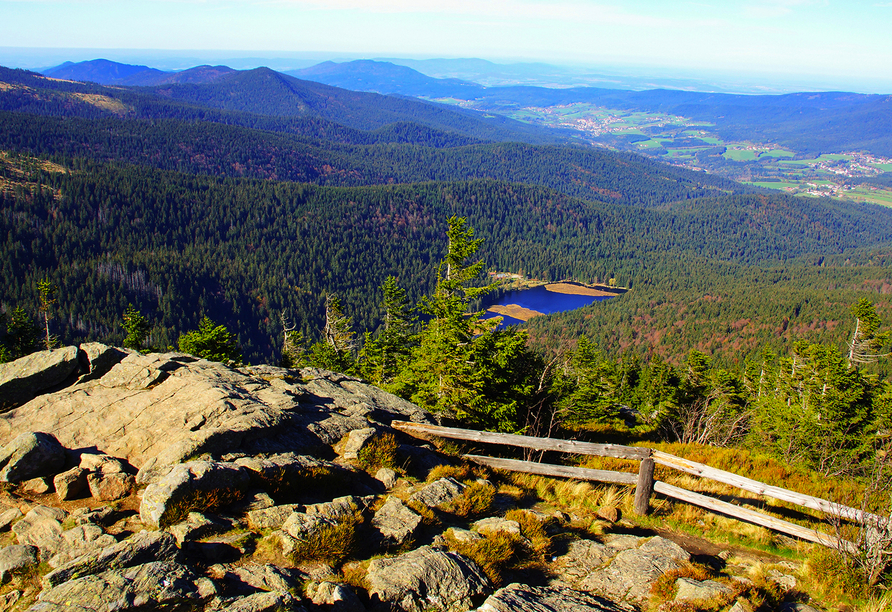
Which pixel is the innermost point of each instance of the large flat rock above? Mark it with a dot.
(22, 379)
(160, 409)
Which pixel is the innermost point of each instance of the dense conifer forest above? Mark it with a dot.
(188, 200)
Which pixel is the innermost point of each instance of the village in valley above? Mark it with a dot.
(695, 145)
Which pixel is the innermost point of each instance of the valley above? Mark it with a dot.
(697, 145)
(274, 191)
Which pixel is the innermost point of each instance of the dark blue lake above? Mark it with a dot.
(542, 300)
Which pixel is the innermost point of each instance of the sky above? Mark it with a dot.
(843, 44)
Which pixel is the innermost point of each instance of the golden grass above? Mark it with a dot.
(493, 552)
(578, 497)
(474, 502)
(573, 289)
(877, 604)
(380, 452)
(745, 463)
(330, 543)
(429, 518)
(464, 471)
(533, 529)
(761, 594)
(766, 469)
(103, 102)
(355, 573)
(832, 577)
(515, 311)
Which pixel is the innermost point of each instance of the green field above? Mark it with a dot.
(748, 162)
(882, 197)
(779, 153)
(823, 158)
(740, 155)
(781, 185)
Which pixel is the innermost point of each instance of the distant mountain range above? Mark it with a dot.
(809, 123)
(105, 72)
(806, 122)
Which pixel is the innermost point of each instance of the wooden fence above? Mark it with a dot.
(644, 482)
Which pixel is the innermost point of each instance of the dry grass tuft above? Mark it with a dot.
(877, 604)
(269, 550)
(380, 452)
(464, 471)
(493, 552)
(762, 594)
(533, 529)
(330, 544)
(197, 501)
(832, 576)
(355, 573)
(28, 585)
(429, 518)
(474, 502)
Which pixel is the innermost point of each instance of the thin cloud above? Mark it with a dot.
(574, 11)
(769, 9)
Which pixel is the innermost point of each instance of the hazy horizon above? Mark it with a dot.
(628, 76)
(820, 44)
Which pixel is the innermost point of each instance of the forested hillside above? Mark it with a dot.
(279, 98)
(181, 201)
(181, 245)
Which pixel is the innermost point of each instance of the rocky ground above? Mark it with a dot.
(165, 482)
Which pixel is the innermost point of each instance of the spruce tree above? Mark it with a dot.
(212, 342)
(22, 336)
(384, 354)
(47, 295)
(136, 327)
(866, 342)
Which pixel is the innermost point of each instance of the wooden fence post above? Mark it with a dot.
(645, 487)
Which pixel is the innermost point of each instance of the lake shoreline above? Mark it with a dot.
(580, 289)
(515, 311)
(526, 302)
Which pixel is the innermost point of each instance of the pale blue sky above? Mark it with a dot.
(839, 41)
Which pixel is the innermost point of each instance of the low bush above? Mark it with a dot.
(474, 502)
(493, 552)
(380, 452)
(533, 529)
(331, 544)
(464, 471)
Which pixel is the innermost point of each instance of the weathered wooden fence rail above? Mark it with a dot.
(644, 482)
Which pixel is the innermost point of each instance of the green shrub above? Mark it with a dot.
(212, 342)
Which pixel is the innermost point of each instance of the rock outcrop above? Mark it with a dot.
(248, 486)
(155, 411)
(425, 579)
(31, 455)
(23, 379)
(524, 598)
